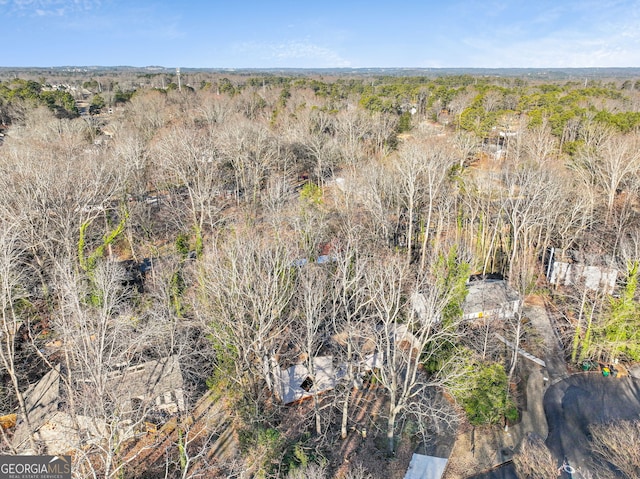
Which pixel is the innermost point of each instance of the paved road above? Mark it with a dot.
(583, 399)
(571, 405)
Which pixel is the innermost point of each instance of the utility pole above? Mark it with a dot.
(179, 84)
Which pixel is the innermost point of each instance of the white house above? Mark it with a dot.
(573, 272)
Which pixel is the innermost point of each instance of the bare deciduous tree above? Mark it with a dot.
(252, 151)
(96, 331)
(617, 448)
(534, 460)
(11, 279)
(466, 144)
(350, 315)
(609, 164)
(312, 330)
(528, 196)
(192, 163)
(248, 284)
(403, 338)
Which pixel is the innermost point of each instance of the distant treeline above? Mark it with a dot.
(468, 100)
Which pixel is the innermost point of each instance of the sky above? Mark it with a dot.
(321, 34)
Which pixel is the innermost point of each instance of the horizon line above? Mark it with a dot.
(319, 68)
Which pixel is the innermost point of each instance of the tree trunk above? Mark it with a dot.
(391, 426)
(23, 409)
(425, 238)
(347, 397)
(514, 252)
(410, 231)
(514, 360)
(345, 414)
(316, 407)
(266, 370)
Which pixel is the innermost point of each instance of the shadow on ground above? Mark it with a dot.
(506, 471)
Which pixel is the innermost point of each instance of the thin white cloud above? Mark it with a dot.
(42, 8)
(582, 33)
(292, 53)
(563, 51)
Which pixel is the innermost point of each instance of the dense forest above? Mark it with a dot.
(250, 227)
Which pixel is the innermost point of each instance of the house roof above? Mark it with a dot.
(490, 297)
(292, 379)
(426, 467)
(289, 381)
(325, 374)
(153, 380)
(41, 401)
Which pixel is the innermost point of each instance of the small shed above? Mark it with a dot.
(404, 339)
(426, 467)
(372, 361)
(490, 298)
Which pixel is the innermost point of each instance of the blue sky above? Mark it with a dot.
(321, 34)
